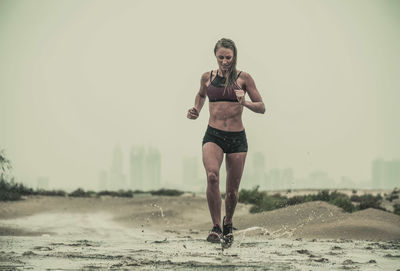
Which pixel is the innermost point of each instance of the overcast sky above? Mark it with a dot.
(79, 77)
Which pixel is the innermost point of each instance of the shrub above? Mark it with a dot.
(125, 194)
(59, 193)
(268, 203)
(370, 201)
(120, 193)
(106, 193)
(396, 209)
(264, 202)
(81, 193)
(393, 195)
(336, 195)
(322, 195)
(251, 196)
(296, 200)
(343, 203)
(355, 198)
(8, 191)
(166, 192)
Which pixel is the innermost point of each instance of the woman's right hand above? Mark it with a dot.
(192, 113)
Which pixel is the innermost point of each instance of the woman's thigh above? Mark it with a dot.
(212, 157)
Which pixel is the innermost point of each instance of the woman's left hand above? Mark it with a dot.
(240, 95)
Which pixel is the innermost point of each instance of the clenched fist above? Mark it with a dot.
(240, 95)
(192, 113)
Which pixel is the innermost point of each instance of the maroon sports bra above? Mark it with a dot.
(216, 91)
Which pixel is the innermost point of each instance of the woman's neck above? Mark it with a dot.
(221, 73)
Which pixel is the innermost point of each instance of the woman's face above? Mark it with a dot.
(224, 58)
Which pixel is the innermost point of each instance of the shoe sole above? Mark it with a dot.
(227, 240)
(213, 238)
(226, 244)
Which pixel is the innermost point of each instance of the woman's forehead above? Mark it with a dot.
(224, 51)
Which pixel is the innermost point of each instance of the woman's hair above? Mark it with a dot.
(232, 73)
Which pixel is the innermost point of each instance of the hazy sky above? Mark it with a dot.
(79, 77)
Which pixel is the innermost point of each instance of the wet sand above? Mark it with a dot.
(168, 233)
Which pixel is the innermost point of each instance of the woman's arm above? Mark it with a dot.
(193, 113)
(256, 104)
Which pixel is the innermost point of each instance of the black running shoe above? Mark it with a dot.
(227, 232)
(215, 234)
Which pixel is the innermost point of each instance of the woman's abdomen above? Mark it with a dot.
(226, 116)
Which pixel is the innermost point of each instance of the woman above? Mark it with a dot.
(226, 89)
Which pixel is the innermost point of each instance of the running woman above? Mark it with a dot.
(226, 89)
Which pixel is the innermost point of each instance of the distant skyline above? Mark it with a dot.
(79, 77)
(134, 170)
(128, 173)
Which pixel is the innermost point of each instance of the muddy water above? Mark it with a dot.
(62, 241)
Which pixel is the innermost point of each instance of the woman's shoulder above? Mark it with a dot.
(246, 77)
(242, 74)
(206, 75)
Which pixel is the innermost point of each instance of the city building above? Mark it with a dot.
(136, 168)
(258, 170)
(103, 180)
(385, 174)
(117, 178)
(190, 173)
(152, 174)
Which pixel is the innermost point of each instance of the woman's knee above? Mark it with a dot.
(232, 195)
(212, 177)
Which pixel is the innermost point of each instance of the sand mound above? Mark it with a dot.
(321, 220)
(370, 224)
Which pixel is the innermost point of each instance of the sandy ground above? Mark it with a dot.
(168, 233)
